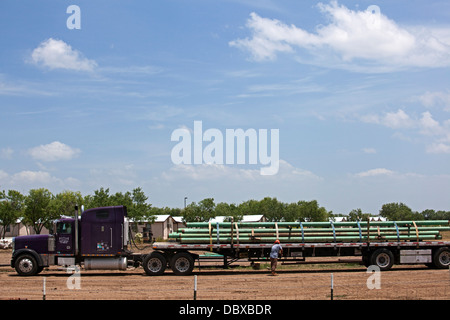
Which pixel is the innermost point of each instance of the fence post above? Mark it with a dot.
(195, 287)
(332, 286)
(43, 289)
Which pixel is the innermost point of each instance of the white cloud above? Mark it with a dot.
(429, 126)
(438, 147)
(375, 172)
(436, 99)
(56, 54)
(398, 119)
(27, 179)
(369, 150)
(3, 176)
(425, 125)
(32, 177)
(394, 120)
(215, 172)
(53, 152)
(352, 39)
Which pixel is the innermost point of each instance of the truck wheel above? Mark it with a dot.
(154, 264)
(182, 263)
(383, 259)
(366, 260)
(26, 265)
(441, 258)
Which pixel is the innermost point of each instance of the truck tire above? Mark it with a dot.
(441, 258)
(155, 264)
(182, 263)
(26, 265)
(383, 259)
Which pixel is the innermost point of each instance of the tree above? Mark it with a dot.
(139, 206)
(230, 211)
(201, 212)
(430, 214)
(358, 215)
(399, 211)
(207, 209)
(64, 203)
(135, 201)
(310, 211)
(100, 198)
(272, 209)
(38, 213)
(11, 208)
(192, 213)
(292, 212)
(250, 207)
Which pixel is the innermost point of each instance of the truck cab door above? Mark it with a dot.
(65, 237)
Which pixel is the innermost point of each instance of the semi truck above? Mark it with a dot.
(99, 240)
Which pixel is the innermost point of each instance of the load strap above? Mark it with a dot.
(360, 232)
(303, 235)
(417, 230)
(218, 233)
(232, 234)
(334, 231)
(210, 236)
(276, 229)
(398, 233)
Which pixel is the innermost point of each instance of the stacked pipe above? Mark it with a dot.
(304, 232)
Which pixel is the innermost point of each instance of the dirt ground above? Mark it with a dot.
(306, 282)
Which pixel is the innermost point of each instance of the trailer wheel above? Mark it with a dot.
(441, 258)
(182, 263)
(383, 259)
(26, 265)
(155, 264)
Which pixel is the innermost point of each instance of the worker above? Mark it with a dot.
(276, 251)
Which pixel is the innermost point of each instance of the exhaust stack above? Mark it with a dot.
(76, 230)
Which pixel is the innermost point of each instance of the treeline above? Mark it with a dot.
(40, 207)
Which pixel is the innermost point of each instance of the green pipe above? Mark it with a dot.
(296, 234)
(225, 240)
(318, 224)
(306, 230)
(321, 237)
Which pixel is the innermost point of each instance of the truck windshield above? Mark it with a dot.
(64, 228)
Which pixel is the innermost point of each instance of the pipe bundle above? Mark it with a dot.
(304, 232)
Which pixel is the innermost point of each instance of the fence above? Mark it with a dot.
(402, 284)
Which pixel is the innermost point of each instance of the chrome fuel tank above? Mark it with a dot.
(106, 263)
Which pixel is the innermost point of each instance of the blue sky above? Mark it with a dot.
(361, 98)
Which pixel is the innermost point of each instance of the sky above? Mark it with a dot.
(91, 93)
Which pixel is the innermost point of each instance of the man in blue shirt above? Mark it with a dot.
(276, 251)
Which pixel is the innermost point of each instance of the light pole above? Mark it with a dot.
(185, 198)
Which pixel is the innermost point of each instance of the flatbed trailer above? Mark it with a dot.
(100, 239)
(181, 257)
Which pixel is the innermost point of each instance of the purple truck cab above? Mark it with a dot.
(98, 240)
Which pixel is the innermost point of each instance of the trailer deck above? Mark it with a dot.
(181, 257)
